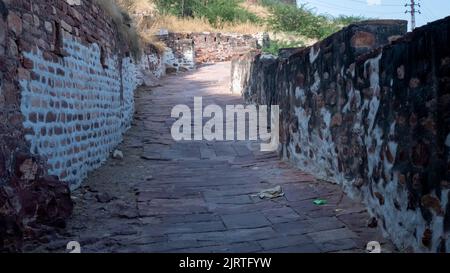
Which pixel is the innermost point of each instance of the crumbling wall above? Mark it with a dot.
(221, 47)
(375, 121)
(179, 55)
(151, 66)
(67, 81)
(186, 50)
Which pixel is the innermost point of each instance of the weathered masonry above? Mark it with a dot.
(66, 97)
(186, 50)
(374, 119)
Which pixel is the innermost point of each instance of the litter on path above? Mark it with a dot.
(271, 193)
(320, 202)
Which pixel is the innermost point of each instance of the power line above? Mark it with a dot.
(430, 11)
(346, 8)
(384, 5)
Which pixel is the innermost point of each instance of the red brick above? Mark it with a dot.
(51, 117)
(15, 23)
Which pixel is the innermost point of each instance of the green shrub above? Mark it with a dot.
(276, 45)
(347, 20)
(302, 20)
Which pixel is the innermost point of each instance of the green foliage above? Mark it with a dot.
(303, 21)
(215, 11)
(347, 20)
(276, 45)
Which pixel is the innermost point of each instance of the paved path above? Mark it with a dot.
(199, 196)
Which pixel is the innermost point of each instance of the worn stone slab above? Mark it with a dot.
(285, 241)
(228, 236)
(332, 235)
(247, 247)
(233, 199)
(245, 220)
(282, 215)
(307, 248)
(337, 245)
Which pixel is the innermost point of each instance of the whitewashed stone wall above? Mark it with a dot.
(182, 60)
(376, 123)
(77, 109)
(151, 68)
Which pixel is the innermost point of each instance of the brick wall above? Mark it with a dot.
(76, 110)
(179, 55)
(218, 47)
(188, 49)
(76, 82)
(66, 97)
(375, 121)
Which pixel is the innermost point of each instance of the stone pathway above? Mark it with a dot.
(165, 196)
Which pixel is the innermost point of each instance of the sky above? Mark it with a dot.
(384, 9)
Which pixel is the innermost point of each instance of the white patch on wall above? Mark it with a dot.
(351, 95)
(300, 94)
(316, 85)
(374, 75)
(92, 107)
(186, 60)
(313, 55)
(321, 147)
(236, 83)
(151, 68)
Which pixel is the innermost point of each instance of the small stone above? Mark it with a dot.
(359, 182)
(15, 23)
(36, 21)
(74, 2)
(372, 223)
(380, 198)
(23, 74)
(336, 120)
(117, 154)
(48, 27)
(29, 169)
(103, 197)
(148, 178)
(432, 202)
(171, 70)
(66, 26)
(427, 237)
(123, 210)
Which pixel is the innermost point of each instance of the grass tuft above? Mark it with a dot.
(127, 32)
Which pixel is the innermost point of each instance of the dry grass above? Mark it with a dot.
(175, 24)
(138, 7)
(127, 32)
(146, 22)
(291, 38)
(257, 9)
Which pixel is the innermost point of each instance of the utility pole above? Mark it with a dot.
(414, 8)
